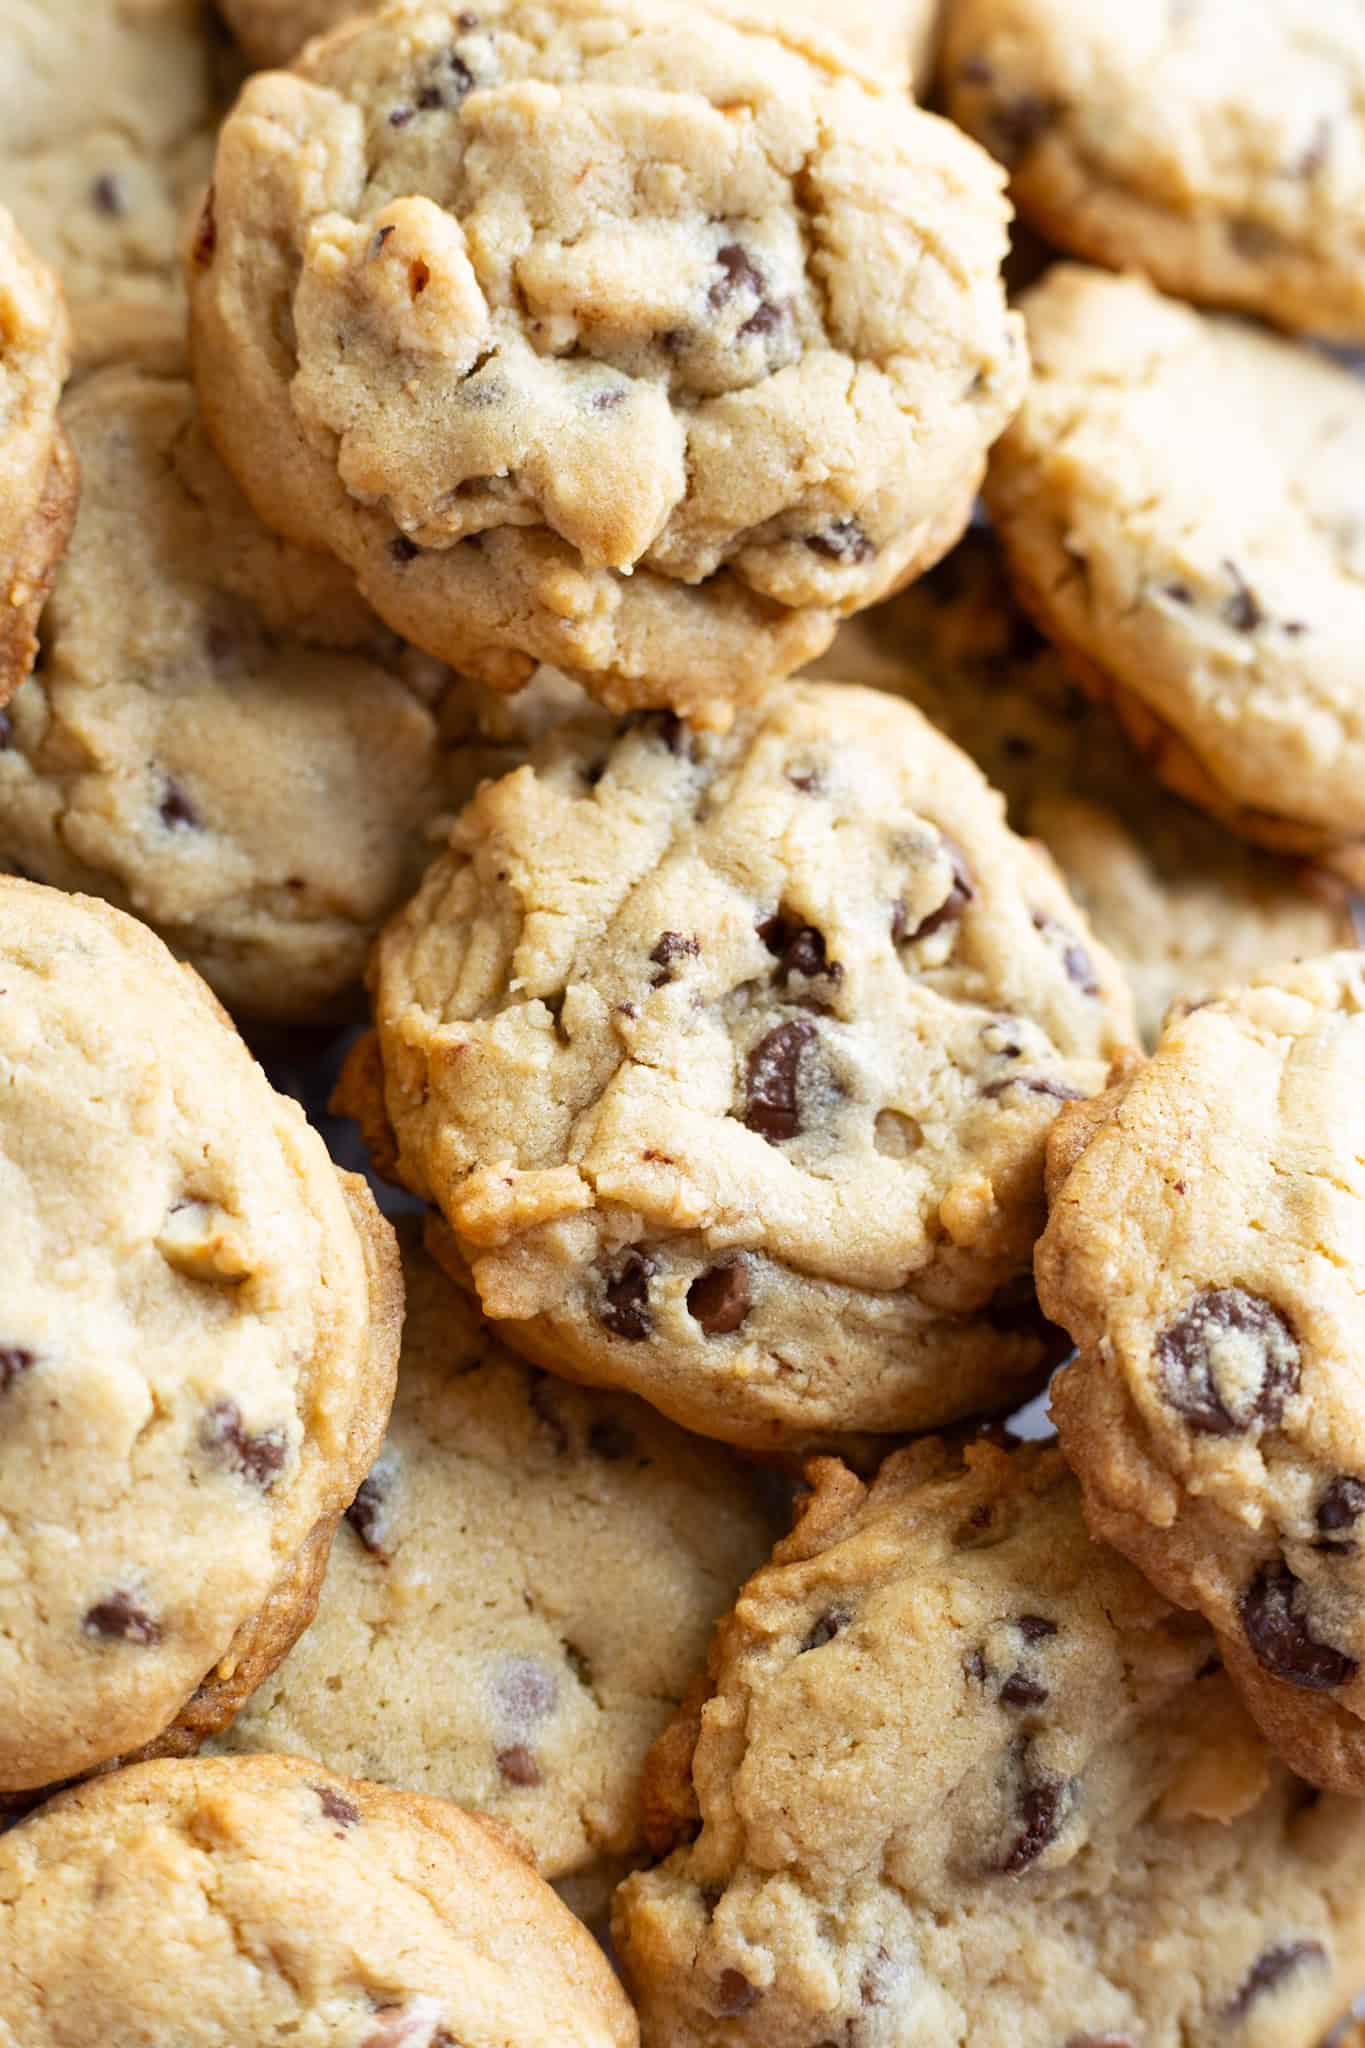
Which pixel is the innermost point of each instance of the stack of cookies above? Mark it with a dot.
(797, 771)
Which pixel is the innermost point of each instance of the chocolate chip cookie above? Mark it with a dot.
(220, 735)
(198, 1336)
(730, 1061)
(1217, 147)
(520, 1594)
(1205, 1250)
(38, 483)
(107, 112)
(960, 1775)
(265, 1900)
(608, 333)
(1184, 905)
(1179, 503)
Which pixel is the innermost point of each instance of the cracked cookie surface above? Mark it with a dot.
(959, 1775)
(197, 1345)
(730, 1061)
(268, 1900)
(642, 342)
(38, 483)
(527, 1582)
(220, 736)
(1218, 148)
(107, 112)
(1183, 905)
(1179, 505)
(1206, 1250)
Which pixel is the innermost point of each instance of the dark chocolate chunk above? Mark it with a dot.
(720, 1298)
(673, 946)
(1269, 1971)
(1262, 1366)
(177, 812)
(1035, 1084)
(1044, 1805)
(1340, 1508)
(259, 1458)
(107, 196)
(772, 1081)
(799, 949)
(843, 540)
(368, 1512)
(960, 893)
(738, 272)
(1035, 1628)
(120, 1619)
(831, 1623)
(625, 1299)
(402, 550)
(337, 1806)
(1019, 1690)
(1242, 610)
(14, 1360)
(1282, 1638)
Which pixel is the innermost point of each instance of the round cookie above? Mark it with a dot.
(107, 112)
(896, 37)
(527, 1582)
(1206, 1250)
(608, 333)
(1219, 148)
(198, 1340)
(1178, 503)
(960, 1775)
(220, 736)
(1184, 906)
(38, 481)
(730, 1061)
(267, 1900)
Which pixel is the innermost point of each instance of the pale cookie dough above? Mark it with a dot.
(1219, 147)
(1206, 1250)
(107, 112)
(730, 1062)
(520, 1594)
(895, 38)
(1183, 905)
(1179, 502)
(608, 333)
(264, 1901)
(962, 1778)
(198, 1336)
(38, 483)
(221, 737)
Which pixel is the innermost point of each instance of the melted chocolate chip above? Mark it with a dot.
(402, 550)
(1282, 1638)
(1036, 1084)
(1019, 1690)
(337, 1806)
(108, 197)
(259, 1459)
(14, 1360)
(1228, 1361)
(772, 1081)
(1269, 1971)
(1035, 1628)
(734, 1993)
(1340, 1508)
(518, 1766)
(720, 1298)
(843, 540)
(673, 946)
(368, 1512)
(177, 812)
(1044, 1805)
(961, 890)
(205, 234)
(1242, 610)
(625, 1299)
(799, 948)
(611, 1440)
(120, 1619)
(831, 1623)
(1077, 964)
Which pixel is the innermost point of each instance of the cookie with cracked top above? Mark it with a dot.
(1206, 1250)
(958, 1774)
(220, 736)
(1214, 146)
(198, 1334)
(38, 479)
(1184, 905)
(636, 340)
(730, 1060)
(518, 1662)
(1178, 504)
(269, 1900)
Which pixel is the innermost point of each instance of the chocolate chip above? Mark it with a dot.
(1340, 1508)
(1035, 1628)
(402, 550)
(1042, 1812)
(400, 116)
(842, 541)
(1019, 1690)
(608, 398)
(120, 1619)
(337, 1806)
(772, 1081)
(1077, 964)
(800, 949)
(518, 1766)
(205, 234)
(831, 1623)
(734, 1993)
(738, 272)
(177, 812)
(14, 1359)
(1179, 593)
(107, 196)
(1282, 1638)
(673, 946)
(1242, 610)
(610, 1439)
(961, 890)
(1269, 1971)
(259, 1458)
(1228, 1361)
(1035, 1084)
(462, 78)
(368, 1512)
(720, 1298)
(625, 1304)
(1017, 124)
